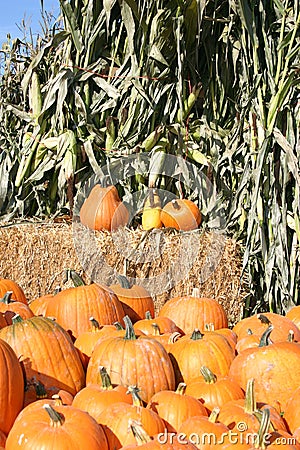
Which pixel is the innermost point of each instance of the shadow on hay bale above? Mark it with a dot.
(35, 255)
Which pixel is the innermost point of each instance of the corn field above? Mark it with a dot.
(216, 82)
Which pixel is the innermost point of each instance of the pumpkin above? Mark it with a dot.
(294, 315)
(7, 285)
(129, 360)
(46, 352)
(62, 427)
(275, 368)
(181, 214)
(176, 407)
(165, 325)
(10, 308)
(136, 300)
(39, 305)
(260, 322)
(204, 432)
(192, 311)
(73, 307)
(11, 386)
(152, 211)
(103, 209)
(191, 352)
(213, 390)
(115, 418)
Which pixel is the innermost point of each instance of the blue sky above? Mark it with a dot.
(14, 11)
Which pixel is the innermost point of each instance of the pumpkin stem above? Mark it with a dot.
(175, 204)
(40, 390)
(250, 403)
(123, 281)
(148, 315)
(181, 388)
(57, 290)
(95, 324)
(105, 379)
(265, 338)
(263, 430)
(58, 400)
(141, 436)
(174, 337)
(249, 332)
(71, 274)
(209, 327)
(196, 335)
(56, 419)
(263, 319)
(118, 326)
(196, 292)
(156, 329)
(208, 375)
(213, 417)
(136, 399)
(7, 298)
(17, 318)
(129, 330)
(291, 336)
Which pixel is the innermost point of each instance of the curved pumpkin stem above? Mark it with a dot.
(250, 403)
(118, 326)
(129, 330)
(95, 324)
(56, 419)
(264, 427)
(174, 337)
(265, 338)
(141, 436)
(105, 379)
(123, 281)
(71, 274)
(181, 388)
(16, 319)
(213, 417)
(208, 375)
(136, 399)
(7, 298)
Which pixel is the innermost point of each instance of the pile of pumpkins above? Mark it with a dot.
(91, 367)
(104, 210)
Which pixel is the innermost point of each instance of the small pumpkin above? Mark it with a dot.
(9, 308)
(103, 209)
(7, 285)
(181, 214)
(152, 211)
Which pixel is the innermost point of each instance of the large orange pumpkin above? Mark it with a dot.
(103, 209)
(11, 386)
(133, 361)
(192, 311)
(62, 427)
(46, 352)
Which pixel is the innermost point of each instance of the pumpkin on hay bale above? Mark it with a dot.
(36, 254)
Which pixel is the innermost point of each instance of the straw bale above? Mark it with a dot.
(36, 254)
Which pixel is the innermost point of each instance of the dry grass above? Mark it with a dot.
(36, 254)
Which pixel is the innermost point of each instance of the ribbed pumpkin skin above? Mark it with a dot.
(294, 315)
(73, 307)
(14, 307)
(275, 368)
(136, 301)
(142, 362)
(17, 292)
(115, 420)
(204, 434)
(282, 325)
(47, 353)
(213, 351)
(39, 305)
(32, 431)
(163, 442)
(175, 408)
(291, 415)
(11, 386)
(103, 209)
(190, 312)
(181, 214)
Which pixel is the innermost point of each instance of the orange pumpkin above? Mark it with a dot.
(103, 209)
(192, 311)
(214, 390)
(275, 368)
(291, 416)
(181, 214)
(7, 285)
(11, 386)
(10, 308)
(136, 300)
(62, 427)
(129, 360)
(46, 352)
(176, 407)
(164, 323)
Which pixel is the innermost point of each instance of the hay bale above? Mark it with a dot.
(36, 254)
